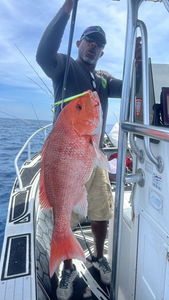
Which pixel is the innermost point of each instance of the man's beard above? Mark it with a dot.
(88, 60)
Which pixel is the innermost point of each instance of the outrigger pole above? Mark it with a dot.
(69, 50)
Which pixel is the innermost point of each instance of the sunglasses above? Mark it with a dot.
(91, 40)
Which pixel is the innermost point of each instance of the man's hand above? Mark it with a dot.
(68, 6)
(138, 52)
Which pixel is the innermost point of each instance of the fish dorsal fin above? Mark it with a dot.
(101, 159)
(81, 206)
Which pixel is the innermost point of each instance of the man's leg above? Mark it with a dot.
(99, 229)
(68, 264)
(99, 210)
(69, 276)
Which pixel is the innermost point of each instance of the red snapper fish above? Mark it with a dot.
(69, 155)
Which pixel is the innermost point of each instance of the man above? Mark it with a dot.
(82, 77)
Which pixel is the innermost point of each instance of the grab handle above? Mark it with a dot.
(139, 153)
(158, 162)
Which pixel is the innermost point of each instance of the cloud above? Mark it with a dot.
(9, 100)
(157, 24)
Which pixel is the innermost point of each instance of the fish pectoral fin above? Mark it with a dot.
(44, 203)
(81, 206)
(42, 184)
(101, 159)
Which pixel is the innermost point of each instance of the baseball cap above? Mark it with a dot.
(97, 30)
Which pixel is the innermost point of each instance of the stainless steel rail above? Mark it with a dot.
(139, 153)
(146, 113)
(29, 153)
(157, 133)
(155, 160)
(166, 4)
(138, 177)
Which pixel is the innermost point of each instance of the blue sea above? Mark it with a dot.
(13, 135)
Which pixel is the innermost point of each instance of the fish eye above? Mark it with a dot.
(78, 107)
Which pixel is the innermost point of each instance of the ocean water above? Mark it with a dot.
(13, 135)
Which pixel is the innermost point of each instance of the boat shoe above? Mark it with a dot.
(102, 265)
(65, 288)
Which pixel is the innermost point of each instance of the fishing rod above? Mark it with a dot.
(69, 50)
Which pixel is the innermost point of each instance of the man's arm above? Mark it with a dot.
(68, 6)
(114, 87)
(47, 57)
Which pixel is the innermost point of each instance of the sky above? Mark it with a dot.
(21, 26)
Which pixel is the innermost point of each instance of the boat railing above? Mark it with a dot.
(29, 152)
(154, 132)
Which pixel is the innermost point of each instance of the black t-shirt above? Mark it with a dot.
(79, 78)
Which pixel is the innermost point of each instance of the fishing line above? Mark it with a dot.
(115, 116)
(26, 121)
(69, 50)
(34, 69)
(37, 118)
(19, 118)
(86, 242)
(52, 96)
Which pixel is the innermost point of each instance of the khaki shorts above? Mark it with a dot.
(99, 197)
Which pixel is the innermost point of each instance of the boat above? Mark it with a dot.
(137, 246)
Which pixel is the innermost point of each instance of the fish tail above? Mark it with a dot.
(63, 248)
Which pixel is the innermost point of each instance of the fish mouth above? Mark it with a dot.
(96, 103)
(98, 125)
